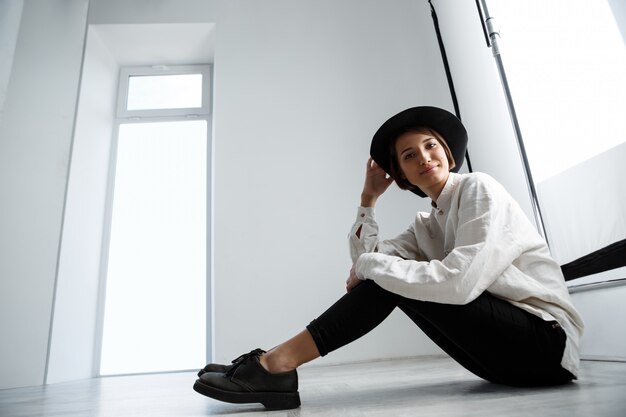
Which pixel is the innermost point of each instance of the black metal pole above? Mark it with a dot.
(446, 66)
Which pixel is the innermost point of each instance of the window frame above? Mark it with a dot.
(153, 70)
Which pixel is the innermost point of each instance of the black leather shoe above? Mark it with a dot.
(248, 382)
(216, 367)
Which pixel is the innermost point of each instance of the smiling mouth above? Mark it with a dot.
(427, 170)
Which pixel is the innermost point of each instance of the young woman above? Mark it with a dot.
(473, 274)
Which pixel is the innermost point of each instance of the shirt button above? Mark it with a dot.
(440, 212)
(362, 214)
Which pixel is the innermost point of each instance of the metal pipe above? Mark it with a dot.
(493, 36)
(596, 285)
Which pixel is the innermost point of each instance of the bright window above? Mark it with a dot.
(155, 305)
(164, 91)
(148, 92)
(566, 64)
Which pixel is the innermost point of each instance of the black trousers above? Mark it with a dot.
(489, 337)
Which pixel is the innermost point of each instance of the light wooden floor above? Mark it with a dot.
(408, 387)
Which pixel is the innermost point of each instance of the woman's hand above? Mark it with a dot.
(352, 280)
(376, 183)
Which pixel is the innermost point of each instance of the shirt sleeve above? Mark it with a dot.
(403, 246)
(485, 246)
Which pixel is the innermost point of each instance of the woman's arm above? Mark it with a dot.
(376, 183)
(363, 236)
(485, 246)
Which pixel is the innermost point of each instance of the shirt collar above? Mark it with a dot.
(443, 201)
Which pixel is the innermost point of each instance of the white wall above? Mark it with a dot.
(604, 313)
(619, 11)
(300, 88)
(595, 204)
(10, 16)
(35, 134)
(76, 305)
(150, 11)
(600, 300)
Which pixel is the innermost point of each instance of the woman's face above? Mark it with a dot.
(423, 162)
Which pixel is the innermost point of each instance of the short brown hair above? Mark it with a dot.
(396, 171)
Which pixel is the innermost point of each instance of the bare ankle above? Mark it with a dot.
(274, 363)
(289, 355)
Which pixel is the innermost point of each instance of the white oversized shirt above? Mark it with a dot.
(475, 239)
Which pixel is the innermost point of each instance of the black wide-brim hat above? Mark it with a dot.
(440, 120)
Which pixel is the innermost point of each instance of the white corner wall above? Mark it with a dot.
(75, 342)
(150, 11)
(619, 10)
(35, 140)
(74, 339)
(10, 17)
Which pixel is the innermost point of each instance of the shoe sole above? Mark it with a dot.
(271, 400)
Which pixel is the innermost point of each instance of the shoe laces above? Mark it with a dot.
(243, 358)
